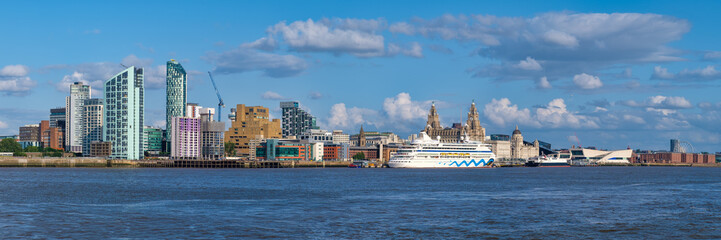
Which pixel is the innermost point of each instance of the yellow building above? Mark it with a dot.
(248, 123)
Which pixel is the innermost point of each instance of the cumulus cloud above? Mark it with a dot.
(562, 41)
(529, 64)
(14, 80)
(708, 73)
(272, 96)
(585, 81)
(352, 36)
(660, 102)
(349, 118)
(245, 59)
(553, 115)
(634, 119)
(402, 108)
(543, 83)
(712, 55)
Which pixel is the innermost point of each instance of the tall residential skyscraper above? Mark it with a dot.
(92, 123)
(176, 94)
(79, 92)
(124, 112)
(296, 120)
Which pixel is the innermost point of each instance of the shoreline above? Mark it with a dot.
(25, 162)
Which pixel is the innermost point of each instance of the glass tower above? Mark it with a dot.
(176, 94)
(123, 112)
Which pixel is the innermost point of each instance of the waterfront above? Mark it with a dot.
(550, 203)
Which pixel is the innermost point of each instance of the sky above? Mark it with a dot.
(609, 74)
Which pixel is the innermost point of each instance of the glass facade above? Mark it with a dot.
(124, 113)
(176, 94)
(153, 139)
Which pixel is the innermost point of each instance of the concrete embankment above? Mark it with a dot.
(104, 163)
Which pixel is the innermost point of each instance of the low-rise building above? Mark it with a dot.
(676, 158)
(100, 149)
(582, 156)
(289, 150)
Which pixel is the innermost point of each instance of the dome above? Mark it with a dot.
(516, 131)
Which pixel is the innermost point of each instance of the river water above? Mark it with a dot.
(545, 203)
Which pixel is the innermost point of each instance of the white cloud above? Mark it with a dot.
(634, 119)
(707, 73)
(543, 83)
(350, 119)
(3, 124)
(348, 36)
(712, 55)
(553, 115)
(403, 109)
(414, 50)
(529, 64)
(244, 59)
(586, 81)
(95, 74)
(660, 102)
(561, 38)
(316, 95)
(14, 71)
(272, 96)
(14, 80)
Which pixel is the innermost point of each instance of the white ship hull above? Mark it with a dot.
(441, 163)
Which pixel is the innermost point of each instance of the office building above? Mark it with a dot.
(124, 114)
(92, 123)
(100, 149)
(176, 96)
(58, 119)
(289, 150)
(521, 150)
(472, 130)
(295, 120)
(152, 140)
(30, 133)
(340, 138)
(248, 123)
(79, 92)
(316, 135)
(51, 137)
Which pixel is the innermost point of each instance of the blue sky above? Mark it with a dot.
(614, 73)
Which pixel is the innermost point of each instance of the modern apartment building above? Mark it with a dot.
(176, 98)
(124, 114)
(185, 135)
(79, 92)
(92, 127)
(295, 120)
(211, 136)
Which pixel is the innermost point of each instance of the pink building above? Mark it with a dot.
(185, 134)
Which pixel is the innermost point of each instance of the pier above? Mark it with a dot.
(122, 163)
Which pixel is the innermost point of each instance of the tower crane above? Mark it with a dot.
(220, 99)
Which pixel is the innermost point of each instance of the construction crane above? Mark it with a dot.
(220, 99)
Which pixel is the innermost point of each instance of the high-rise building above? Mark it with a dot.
(92, 126)
(676, 145)
(79, 92)
(185, 135)
(295, 120)
(58, 119)
(152, 140)
(250, 123)
(176, 97)
(51, 137)
(211, 136)
(124, 113)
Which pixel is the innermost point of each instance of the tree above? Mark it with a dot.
(32, 149)
(10, 145)
(229, 149)
(359, 156)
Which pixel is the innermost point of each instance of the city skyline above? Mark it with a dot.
(615, 75)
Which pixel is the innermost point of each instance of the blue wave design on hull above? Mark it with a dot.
(473, 162)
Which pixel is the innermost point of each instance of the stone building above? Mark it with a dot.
(521, 150)
(473, 129)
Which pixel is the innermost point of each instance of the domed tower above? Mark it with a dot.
(433, 123)
(473, 127)
(516, 143)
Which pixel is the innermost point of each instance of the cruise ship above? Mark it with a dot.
(425, 152)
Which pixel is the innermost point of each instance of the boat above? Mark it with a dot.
(547, 161)
(426, 152)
